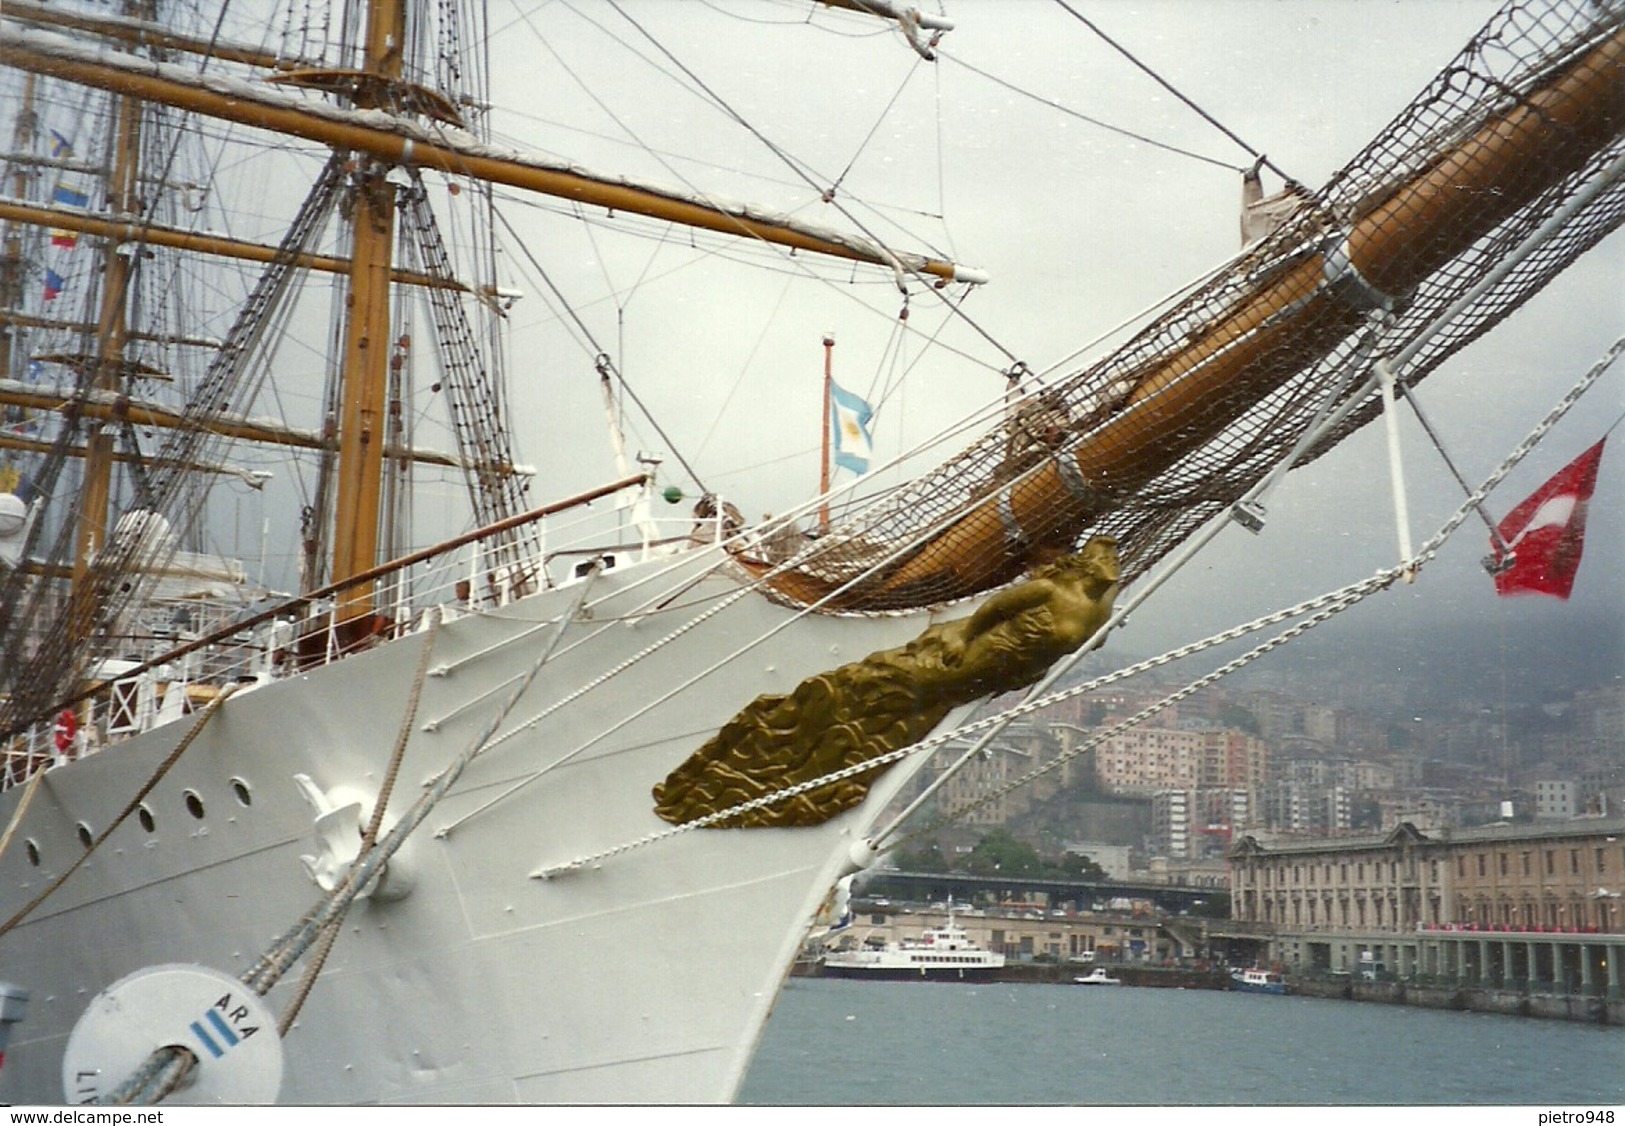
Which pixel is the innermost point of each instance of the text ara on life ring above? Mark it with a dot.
(227, 1028)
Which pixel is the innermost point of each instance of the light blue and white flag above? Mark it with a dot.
(70, 195)
(849, 423)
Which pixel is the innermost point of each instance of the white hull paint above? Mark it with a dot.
(645, 978)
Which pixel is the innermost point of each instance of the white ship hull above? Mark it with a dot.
(644, 978)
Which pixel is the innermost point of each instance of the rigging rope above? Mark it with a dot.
(369, 837)
(1095, 121)
(829, 193)
(898, 268)
(1168, 86)
(166, 1067)
(585, 331)
(1322, 608)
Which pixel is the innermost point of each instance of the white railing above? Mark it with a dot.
(172, 662)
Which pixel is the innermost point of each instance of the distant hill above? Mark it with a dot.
(1522, 653)
(1519, 659)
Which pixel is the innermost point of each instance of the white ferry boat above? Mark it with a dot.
(940, 953)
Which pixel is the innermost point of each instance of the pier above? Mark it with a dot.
(1563, 975)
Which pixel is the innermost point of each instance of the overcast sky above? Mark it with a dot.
(1080, 228)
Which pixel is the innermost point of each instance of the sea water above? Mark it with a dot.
(832, 1042)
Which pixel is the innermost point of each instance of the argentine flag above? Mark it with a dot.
(849, 423)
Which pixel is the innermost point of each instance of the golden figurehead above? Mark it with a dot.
(890, 699)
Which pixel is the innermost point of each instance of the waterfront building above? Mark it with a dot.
(1232, 759)
(1115, 860)
(1514, 912)
(1429, 810)
(1207, 872)
(1599, 715)
(1195, 824)
(982, 788)
(1548, 876)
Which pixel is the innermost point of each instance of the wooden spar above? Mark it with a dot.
(887, 9)
(13, 317)
(1507, 163)
(1296, 318)
(218, 245)
(103, 406)
(354, 131)
(35, 446)
(146, 33)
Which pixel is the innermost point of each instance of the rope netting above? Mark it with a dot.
(1154, 440)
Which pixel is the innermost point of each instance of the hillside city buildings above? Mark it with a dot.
(1179, 789)
(1469, 859)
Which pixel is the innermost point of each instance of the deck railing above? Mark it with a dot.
(175, 658)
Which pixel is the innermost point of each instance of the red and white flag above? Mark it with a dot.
(1545, 533)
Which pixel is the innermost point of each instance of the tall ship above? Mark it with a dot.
(395, 709)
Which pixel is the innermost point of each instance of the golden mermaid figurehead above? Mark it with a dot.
(891, 699)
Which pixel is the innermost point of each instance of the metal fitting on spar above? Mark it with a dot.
(1345, 280)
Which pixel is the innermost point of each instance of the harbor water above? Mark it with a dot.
(833, 1043)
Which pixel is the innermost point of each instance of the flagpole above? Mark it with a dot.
(823, 467)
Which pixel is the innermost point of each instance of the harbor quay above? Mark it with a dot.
(1565, 976)
(1520, 919)
(1542, 975)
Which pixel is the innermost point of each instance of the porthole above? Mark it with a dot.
(86, 837)
(239, 788)
(33, 852)
(144, 815)
(194, 804)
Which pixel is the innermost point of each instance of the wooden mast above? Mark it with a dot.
(11, 245)
(364, 377)
(118, 272)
